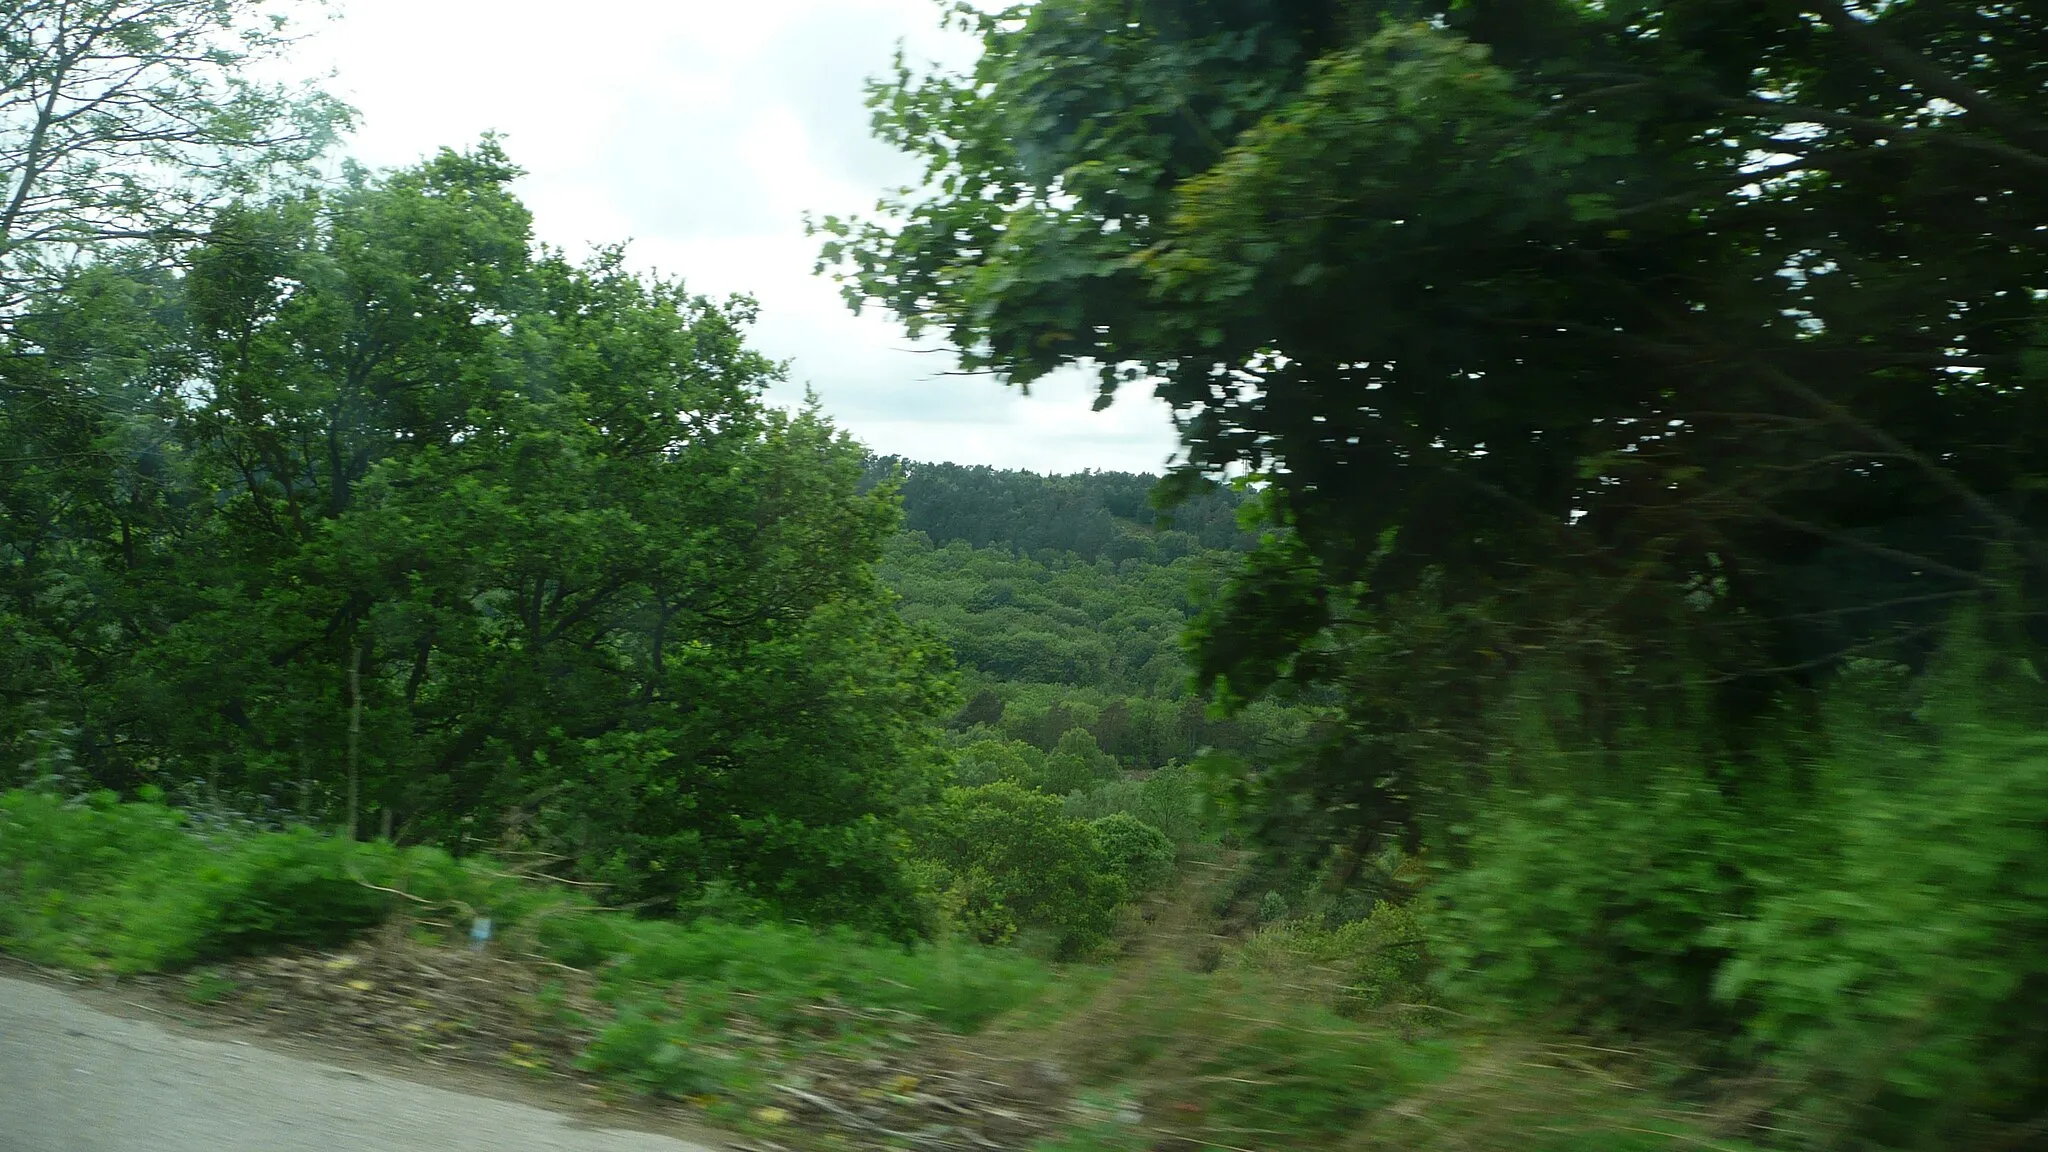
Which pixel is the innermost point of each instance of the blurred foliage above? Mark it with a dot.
(1603, 574)
(134, 887)
(1353, 968)
(91, 882)
(1137, 854)
(1172, 799)
(1639, 406)
(1857, 904)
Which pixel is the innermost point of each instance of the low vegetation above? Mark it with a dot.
(1304, 1039)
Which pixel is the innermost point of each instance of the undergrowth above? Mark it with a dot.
(92, 883)
(701, 1006)
(1293, 1045)
(1238, 1059)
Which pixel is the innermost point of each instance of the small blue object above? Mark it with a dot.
(479, 932)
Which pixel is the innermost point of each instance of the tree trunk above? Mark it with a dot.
(355, 733)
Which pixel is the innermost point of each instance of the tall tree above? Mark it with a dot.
(124, 119)
(1639, 337)
(503, 544)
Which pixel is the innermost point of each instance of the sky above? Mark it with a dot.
(700, 132)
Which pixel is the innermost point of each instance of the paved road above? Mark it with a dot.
(74, 1079)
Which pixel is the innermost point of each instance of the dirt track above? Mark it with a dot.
(76, 1079)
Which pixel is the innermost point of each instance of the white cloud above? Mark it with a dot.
(702, 132)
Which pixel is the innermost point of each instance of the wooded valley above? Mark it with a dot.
(1580, 686)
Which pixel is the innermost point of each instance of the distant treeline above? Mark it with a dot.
(1094, 515)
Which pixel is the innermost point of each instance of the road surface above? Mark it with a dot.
(75, 1079)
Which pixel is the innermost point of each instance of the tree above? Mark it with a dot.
(120, 122)
(1076, 762)
(124, 120)
(1009, 859)
(386, 499)
(1666, 342)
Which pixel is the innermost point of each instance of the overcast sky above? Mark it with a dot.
(701, 131)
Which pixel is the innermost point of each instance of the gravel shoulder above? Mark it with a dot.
(77, 1078)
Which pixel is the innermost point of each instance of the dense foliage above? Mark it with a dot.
(1093, 515)
(383, 514)
(1622, 615)
(1664, 338)
(1642, 399)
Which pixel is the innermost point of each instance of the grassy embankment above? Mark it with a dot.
(1172, 1045)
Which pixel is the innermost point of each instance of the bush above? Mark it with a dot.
(661, 1053)
(289, 890)
(1858, 904)
(1596, 905)
(1898, 969)
(1013, 860)
(95, 883)
(1351, 968)
(1140, 856)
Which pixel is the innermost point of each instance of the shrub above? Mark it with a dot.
(1859, 904)
(1139, 855)
(1596, 905)
(285, 890)
(659, 1054)
(95, 883)
(1352, 967)
(1898, 969)
(1014, 860)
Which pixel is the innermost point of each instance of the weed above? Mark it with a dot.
(208, 987)
(662, 1055)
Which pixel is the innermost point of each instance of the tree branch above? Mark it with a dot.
(1928, 77)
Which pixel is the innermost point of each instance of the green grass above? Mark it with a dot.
(1236, 1059)
(705, 1009)
(701, 1008)
(712, 1011)
(100, 885)
(784, 968)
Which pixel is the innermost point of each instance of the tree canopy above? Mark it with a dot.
(380, 508)
(1651, 338)
(1094, 515)
(125, 120)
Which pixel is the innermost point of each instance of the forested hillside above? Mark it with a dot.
(1064, 600)
(1094, 515)
(1582, 688)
